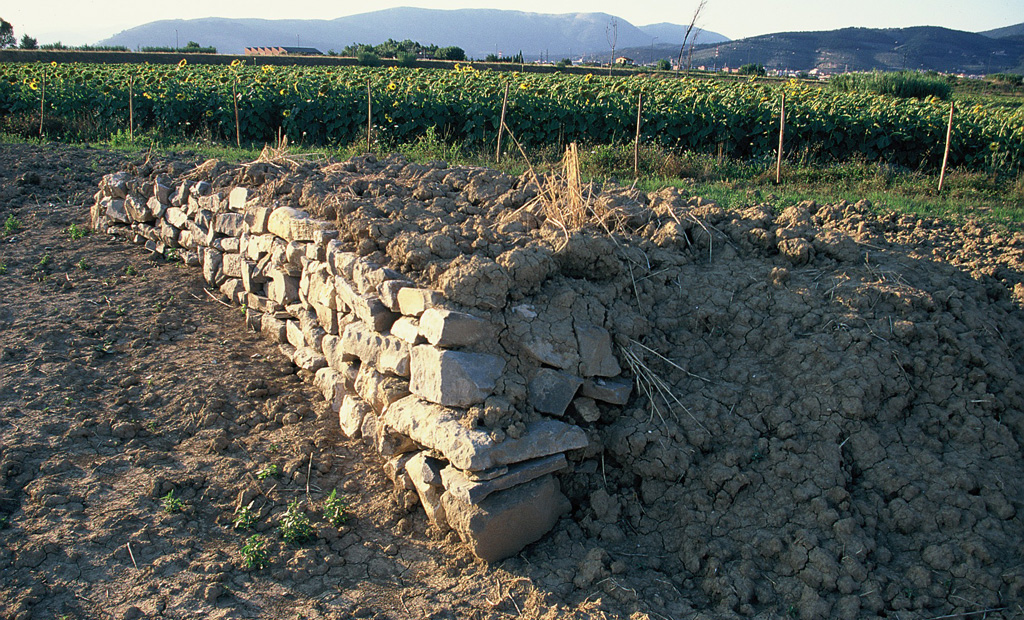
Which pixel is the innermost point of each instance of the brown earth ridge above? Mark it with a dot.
(825, 418)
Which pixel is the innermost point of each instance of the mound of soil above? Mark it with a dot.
(827, 420)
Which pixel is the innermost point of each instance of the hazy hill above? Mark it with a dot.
(863, 49)
(478, 31)
(1017, 30)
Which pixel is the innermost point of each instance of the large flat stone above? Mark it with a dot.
(612, 391)
(425, 474)
(501, 525)
(552, 390)
(475, 491)
(351, 415)
(230, 224)
(595, 347)
(446, 328)
(437, 427)
(387, 353)
(453, 378)
(282, 288)
(257, 219)
(413, 301)
(369, 308)
(294, 225)
(379, 390)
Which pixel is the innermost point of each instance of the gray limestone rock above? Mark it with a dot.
(552, 390)
(439, 428)
(502, 524)
(446, 328)
(453, 378)
(475, 491)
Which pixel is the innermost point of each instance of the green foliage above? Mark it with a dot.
(3, 268)
(368, 59)
(130, 271)
(256, 553)
(752, 69)
(335, 508)
(452, 52)
(664, 65)
(83, 265)
(28, 43)
(294, 526)
(1007, 78)
(327, 106)
(563, 63)
(171, 504)
(6, 34)
(76, 232)
(245, 517)
(406, 59)
(518, 58)
(11, 225)
(269, 471)
(904, 84)
(190, 48)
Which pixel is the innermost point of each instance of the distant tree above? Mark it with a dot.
(563, 63)
(406, 59)
(451, 53)
(752, 69)
(368, 59)
(6, 34)
(664, 65)
(28, 43)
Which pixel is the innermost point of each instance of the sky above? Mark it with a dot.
(75, 22)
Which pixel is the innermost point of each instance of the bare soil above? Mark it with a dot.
(844, 438)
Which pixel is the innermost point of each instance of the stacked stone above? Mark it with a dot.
(398, 367)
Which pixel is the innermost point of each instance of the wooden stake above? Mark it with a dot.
(369, 115)
(131, 109)
(949, 140)
(234, 99)
(42, 100)
(782, 135)
(636, 142)
(501, 126)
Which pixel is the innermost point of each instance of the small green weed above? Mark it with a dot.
(75, 232)
(68, 400)
(130, 271)
(268, 471)
(120, 310)
(335, 508)
(255, 553)
(44, 261)
(3, 268)
(4, 522)
(274, 448)
(83, 265)
(245, 517)
(295, 525)
(11, 225)
(171, 504)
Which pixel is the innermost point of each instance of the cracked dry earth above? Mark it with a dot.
(843, 437)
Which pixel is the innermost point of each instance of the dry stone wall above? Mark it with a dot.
(407, 370)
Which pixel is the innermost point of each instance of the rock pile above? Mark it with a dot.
(406, 370)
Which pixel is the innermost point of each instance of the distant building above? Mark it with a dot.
(282, 51)
(622, 60)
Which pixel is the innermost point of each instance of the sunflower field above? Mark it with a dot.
(328, 106)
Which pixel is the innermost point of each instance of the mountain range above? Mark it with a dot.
(481, 32)
(477, 31)
(864, 49)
